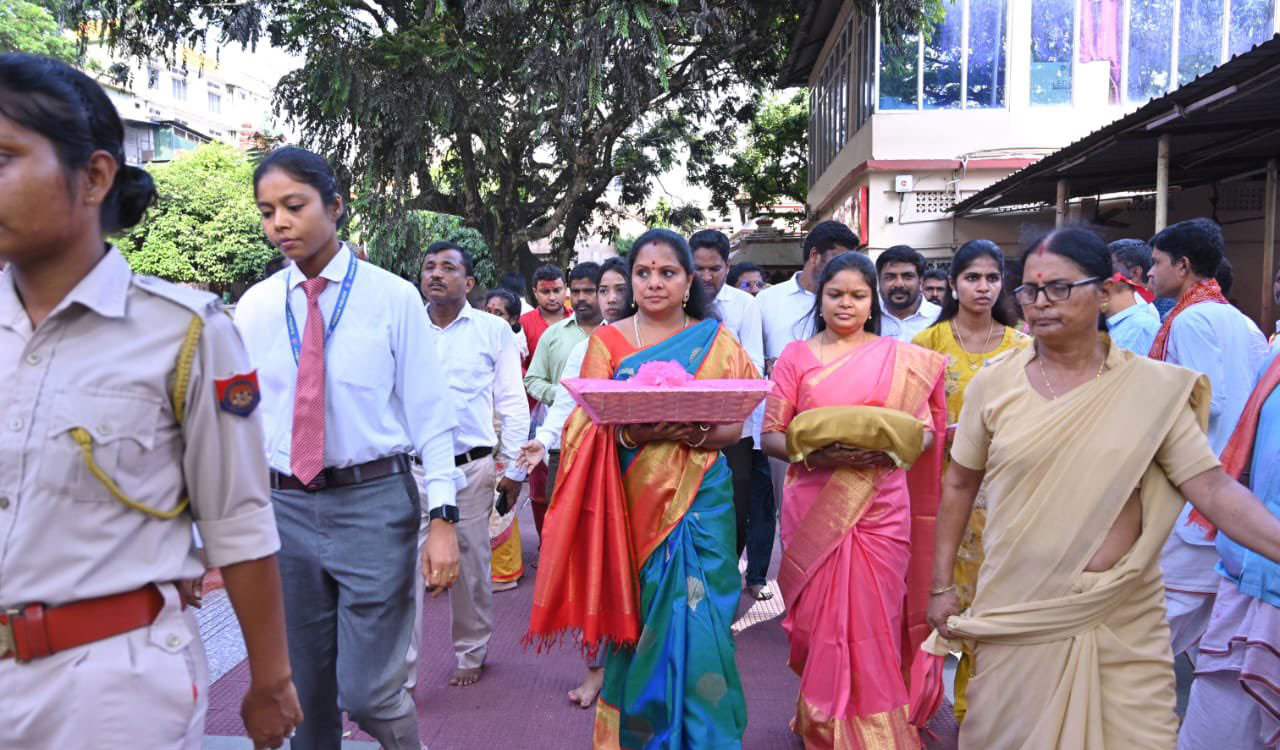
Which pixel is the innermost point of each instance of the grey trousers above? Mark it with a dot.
(471, 597)
(347, 557)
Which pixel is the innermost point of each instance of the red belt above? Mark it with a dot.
(35, 631)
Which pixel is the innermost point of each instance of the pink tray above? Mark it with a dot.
(709, 401)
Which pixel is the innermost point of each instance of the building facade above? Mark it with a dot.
(901, 132)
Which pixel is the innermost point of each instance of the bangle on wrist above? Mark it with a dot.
(939, 591)
(625, 439)
(699, 443)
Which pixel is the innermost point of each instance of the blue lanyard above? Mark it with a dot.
(295, 340)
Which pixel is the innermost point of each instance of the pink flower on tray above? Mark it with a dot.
(662, 374)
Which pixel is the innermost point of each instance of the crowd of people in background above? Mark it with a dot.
(1061, 469)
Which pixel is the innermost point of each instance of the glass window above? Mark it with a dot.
(987, 54)
(899, 66)
(1150, 49)
(180, 88)
(1199, 38)
(942, 61)
(215, 102)
(1102, 40)
(153, 77)
(1250, 24)
(1052, 29)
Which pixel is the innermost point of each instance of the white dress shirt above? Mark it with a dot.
(382, 373)
(905, 329)
(558, 413)
(739, 313)
(483, 360)
(784, 314)
(1219, 342)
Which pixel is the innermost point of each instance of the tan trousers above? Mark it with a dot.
(471, 598)
(148, 688)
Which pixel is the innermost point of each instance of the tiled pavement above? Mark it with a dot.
(520, 702)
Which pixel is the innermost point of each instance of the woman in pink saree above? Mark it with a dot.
(851, 518)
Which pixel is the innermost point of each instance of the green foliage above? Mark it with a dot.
(27, 27)
(769, 164)
(205, 228)
(398, 246)
(686, 218)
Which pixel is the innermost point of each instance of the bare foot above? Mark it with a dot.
(585, 694)
(760, 592)
(463, 677)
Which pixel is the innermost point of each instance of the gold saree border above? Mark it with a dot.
(889, 730)
(607, 734)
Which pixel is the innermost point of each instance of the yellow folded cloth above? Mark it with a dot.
(872, 428)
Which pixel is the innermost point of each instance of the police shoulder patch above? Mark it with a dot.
(239, 394)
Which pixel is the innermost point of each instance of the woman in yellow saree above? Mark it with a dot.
(847, 519)
(638, 546)
(973, 328)
(1087, 452)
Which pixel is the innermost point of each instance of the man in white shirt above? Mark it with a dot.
(753, 501)
(786, 309)
(1207, 334)
(613, 294)
(483, 367)
(348, 532)
(906, 311)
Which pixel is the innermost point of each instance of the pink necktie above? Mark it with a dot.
(306, 454)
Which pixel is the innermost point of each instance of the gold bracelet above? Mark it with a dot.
(942, 590)
(624, 438)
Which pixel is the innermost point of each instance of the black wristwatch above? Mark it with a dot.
(447, 513)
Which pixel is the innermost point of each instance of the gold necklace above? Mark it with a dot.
(955, 331)
(635, 326)
(1053, 396)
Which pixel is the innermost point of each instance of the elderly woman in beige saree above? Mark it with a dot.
(1087, 452)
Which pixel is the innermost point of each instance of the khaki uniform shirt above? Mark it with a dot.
(105, 360)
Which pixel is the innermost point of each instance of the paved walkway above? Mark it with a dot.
(520, 702)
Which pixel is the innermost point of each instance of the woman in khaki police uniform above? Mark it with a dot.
(126, 421)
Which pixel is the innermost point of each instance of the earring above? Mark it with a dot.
(686, 295)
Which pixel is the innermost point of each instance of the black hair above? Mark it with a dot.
(1083, 248)
(440, 246)
(964, 257)
(850, 261)
(589, 270)
(697, 306)
(826, 236)
(275, 264)
(901, 254)
(617, 264)
(509, 301)
(1226, 276)
(304, 166)
(513, 281)
(1130, 253)
(737, 269)
(712, 238)
(935, 273)
(548, 272)
(67, 108)
(1200, 241)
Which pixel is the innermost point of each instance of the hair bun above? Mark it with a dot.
(133, 193)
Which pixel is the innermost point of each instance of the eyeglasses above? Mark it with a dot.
(751, 285)
(1054, 291)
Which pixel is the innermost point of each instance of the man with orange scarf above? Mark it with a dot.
(1205, 333)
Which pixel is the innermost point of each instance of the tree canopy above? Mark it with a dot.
(769, 163)
(205, 228)
(30, 28)
(513, 114)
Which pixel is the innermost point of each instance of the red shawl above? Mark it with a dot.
(1205, 290)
